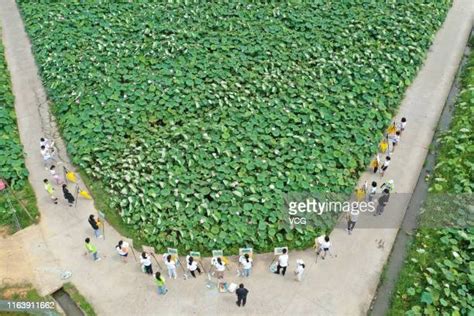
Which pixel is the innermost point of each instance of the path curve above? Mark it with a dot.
(338, 286)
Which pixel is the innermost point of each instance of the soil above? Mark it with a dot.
(4, 231)
(15, 292)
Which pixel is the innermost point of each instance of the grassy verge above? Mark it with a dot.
(79, 299)
(12, 165)
(437, 276)
(21, 292)
(23, 199)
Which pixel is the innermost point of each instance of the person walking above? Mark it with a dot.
(160, 283)
(246, 263)
(282, 263)
(220, 267)
(57, 179)
(95, 226)
(122, 250)
(352, 217)
(68, 196)
(372, 191)
(170, 265)
(383, 200)
(145, 260)
(300, 266)
(242, 293)
(385, 165)
(49, 188)
(323, 244)
(192, 266)
(91, 249)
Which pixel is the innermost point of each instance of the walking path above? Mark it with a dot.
(343, 285)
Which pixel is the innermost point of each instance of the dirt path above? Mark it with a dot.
(343, 285)
(15, 271)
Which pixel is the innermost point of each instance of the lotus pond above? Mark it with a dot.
(196, 118)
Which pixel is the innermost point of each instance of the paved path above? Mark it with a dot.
(343, 285)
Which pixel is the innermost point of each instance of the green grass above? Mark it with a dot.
(12, 165)
(20, 200)
(437, 276)
(79, 299)
(21, 292)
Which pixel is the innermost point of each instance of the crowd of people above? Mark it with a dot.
(219, 264)
(48, 152)
(368, 193)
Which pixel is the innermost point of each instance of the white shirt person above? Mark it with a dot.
(246, 263)
(300, 266)
(282, 262)
(192, 266)
(170, 265)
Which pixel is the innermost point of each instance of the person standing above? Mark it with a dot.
(95, 226)
(300, 266)
(360, 193)
(220, 267)
(394, 140)
(372, 191)
(282, 263)
(383, 146)
(49, 188)
(122, 250)
(160, 283)
(403, 125)
(47, 156)
(323, 244)
(385, 165)
(242, 293)
(47, 143)
(170, 265)
(375, 163)
(192, 266)
(91, 249)
(55, 175)
(383, 200)
(68, 196)
(146, 262)
(246, 263)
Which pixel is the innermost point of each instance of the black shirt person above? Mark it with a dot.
(68, 196)
(383, 200)
(241, 295)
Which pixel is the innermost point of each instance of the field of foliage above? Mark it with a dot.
(196, 118)
(438, 276)
(12, 164)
